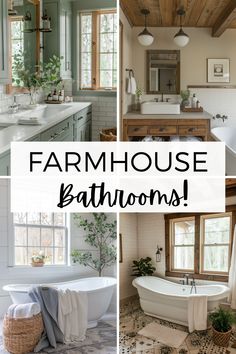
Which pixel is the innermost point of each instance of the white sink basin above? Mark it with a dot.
(153, 107)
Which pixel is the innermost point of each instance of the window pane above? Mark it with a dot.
(59, 256)
(46, 218)
(86, 60)
(86, 79)
(106, 78)
(184, 258)
(48, 252)
(86, 23)
(47, 237)
(59, 219)
(21, 256)
(59, 238)
(32, 251)
(107, 23)
(184, 232)
(19, 218)
(106, 61)
(34, 236)
(217, 230)
(216, 258)
(106, 42)
(33, 218)
(86, 43)
(20, 236)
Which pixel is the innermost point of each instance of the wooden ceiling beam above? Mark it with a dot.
(124, 9)
(225, 19)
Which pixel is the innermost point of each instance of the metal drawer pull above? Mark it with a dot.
(192, 129)
(162, 129)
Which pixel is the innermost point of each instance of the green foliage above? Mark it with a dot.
(101, 235)
(185, 94)
(222, 320)
(143, 266)
(47, 75)
(139, 92)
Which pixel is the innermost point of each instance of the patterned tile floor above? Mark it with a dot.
(133, 319)
(99, 340)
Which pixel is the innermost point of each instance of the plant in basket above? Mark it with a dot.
(222, 321)
(38, 260)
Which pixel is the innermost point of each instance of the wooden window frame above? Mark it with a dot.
(197, 249)
(172, 244)
(95, 52)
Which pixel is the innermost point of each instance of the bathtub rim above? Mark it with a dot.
(211, 297)
(24, 288)
(218, 139)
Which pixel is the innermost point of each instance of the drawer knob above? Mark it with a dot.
(162, 129)
(191, 129)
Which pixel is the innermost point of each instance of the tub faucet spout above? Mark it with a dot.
(193, 286)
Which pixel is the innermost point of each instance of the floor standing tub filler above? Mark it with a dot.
(169, 301)
(99, 291)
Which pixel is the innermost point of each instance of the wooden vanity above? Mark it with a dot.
(136, 125)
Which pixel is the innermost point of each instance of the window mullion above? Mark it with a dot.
(95, 43)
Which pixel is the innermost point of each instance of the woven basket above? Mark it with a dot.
(21, 335)
(221, 339)
(108, 134)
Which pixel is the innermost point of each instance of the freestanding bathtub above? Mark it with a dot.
(99, 290)
(227, 135)
(169, 301)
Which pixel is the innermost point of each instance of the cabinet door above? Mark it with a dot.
(5, 164)
(4, 40)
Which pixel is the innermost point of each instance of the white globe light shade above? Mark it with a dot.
(181, 38)
(145, 38)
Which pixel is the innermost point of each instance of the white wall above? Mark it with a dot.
(45, 274)
(193, 65)
(128, 230)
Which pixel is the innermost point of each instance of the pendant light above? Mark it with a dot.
(145, 37)
(181, 38)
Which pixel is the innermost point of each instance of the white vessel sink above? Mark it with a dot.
(153, 107)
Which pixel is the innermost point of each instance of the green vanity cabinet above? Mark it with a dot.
(59, 41)
(35, 138)
(5, 164)
(62, 131)
(4, 41)
(83, 125)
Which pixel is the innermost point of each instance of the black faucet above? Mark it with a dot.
(186, 276)
(193, 286)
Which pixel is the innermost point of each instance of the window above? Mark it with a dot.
(35, 232)
(98, 48)
(17, 39)
(199, 244)
(216, 240)
(182, 231)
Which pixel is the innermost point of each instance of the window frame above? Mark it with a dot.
(173, 246)
(95, 51)
(202, 239)
(198, 274)
(11, 255)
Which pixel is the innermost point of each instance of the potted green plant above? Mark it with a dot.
(100, 235)
(185, 94)
(222, 321)
(38, 259)
(138, 95)
(142, 267)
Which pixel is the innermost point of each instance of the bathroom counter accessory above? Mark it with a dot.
(190, 109)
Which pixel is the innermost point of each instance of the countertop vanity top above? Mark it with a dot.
(182, 115)
(48, 116)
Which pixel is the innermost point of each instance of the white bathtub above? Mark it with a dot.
(169, 301)
(99, 290)
(227, 135)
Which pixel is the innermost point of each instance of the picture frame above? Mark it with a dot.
(120, 248)
(218, 70)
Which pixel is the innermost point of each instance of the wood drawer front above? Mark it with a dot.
(197, 131)
(163, 130)
(137, 130)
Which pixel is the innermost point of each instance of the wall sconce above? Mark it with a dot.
(27, 19)
(158, 254)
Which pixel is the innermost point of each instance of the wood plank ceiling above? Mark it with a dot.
(216, 14)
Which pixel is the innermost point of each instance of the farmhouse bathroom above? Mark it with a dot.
(57, 71)
(177, 274)
(178, 72)
(53, 261)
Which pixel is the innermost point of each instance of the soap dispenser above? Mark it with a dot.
(194, 101)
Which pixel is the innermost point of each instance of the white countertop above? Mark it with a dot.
(182, 115)
(17, 132)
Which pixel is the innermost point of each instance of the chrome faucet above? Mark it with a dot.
(14, 106)
(193, 286)
(219, 116)
(186, 279)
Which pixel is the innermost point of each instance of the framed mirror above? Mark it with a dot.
(163, 72)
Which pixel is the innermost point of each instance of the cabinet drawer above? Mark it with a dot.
(137, 130)
(59, 131)
(163, 130)
(197, 131)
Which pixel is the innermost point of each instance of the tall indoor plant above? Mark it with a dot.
(222, 321)
(100, 234)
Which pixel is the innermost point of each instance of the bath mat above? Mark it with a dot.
(168, 336)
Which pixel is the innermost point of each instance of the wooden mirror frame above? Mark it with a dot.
(162, 51)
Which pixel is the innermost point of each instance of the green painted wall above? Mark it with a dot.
(81, 5)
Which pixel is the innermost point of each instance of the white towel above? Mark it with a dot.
(73, 315)
(197, 313)
(232, 274)
(131, 86)
(23, 310)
